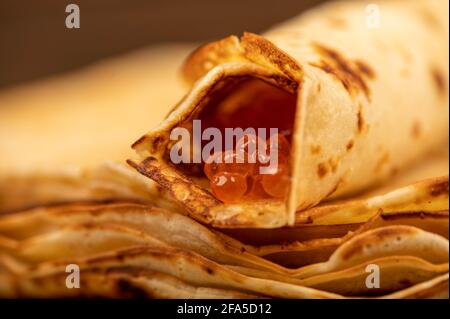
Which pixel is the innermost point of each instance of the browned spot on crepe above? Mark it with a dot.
(439, 81)
(365, 69)
(350, 74)
(416, 130)
(350, 145)
(439, 189)
(360, 119)
(208, 269)
(315, 149)
(432, 215)
(405, 282)
(322, 170)
(126, 288)
(394, 171)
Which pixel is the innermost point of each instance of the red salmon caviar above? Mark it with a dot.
(235, 177)
(212, 165)
(281, 144)
(229, 187)
(247, 146)
(227, 161)
(255, 188)
(277, 184)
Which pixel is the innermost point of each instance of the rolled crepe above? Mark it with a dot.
(371, 97)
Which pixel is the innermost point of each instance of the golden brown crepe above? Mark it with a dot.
(370, 101)
(57, 134)
(35, 246)
(115, 284)
(369, 168)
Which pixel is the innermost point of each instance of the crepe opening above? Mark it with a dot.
(226, 88)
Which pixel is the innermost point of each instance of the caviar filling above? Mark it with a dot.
(234, 173)
(256, 164)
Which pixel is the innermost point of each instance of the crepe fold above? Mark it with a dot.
(370, 101)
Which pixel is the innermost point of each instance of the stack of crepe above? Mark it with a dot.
(366, 214)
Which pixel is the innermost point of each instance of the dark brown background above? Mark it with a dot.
(34, 41)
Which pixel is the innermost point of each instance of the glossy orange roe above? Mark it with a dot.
(235, 181)
(277, 184)
(227, 161)
(247, 147)
(280, 143)
(229, 187)
(255, 188)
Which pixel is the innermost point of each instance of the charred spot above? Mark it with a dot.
(284, 82)
(126, 288)
(416, 130)
(209, 270)
(439, 189)
(439, 81)
(309, 220)
(365, 69)
(349, 73)
(360, 119)
(324, 66)
(405, 282)
(254, 44)
(195, 200)
(139, 141)
(328, 68)
(330, 53)
(322, 170)
(416, 214)
(121, 257)
(315, 149)
(350, 145)
(157, 139)
(147, 161)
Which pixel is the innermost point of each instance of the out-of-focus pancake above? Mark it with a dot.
(84, 118)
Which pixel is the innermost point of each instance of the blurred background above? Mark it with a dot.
(35, 43)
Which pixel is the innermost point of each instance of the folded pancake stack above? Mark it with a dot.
(357, 205)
